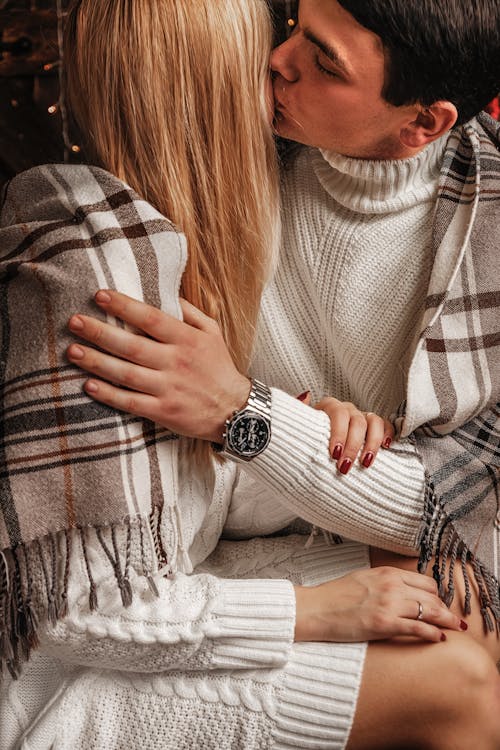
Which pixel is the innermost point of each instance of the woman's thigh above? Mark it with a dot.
(421, 696)
(489, 640)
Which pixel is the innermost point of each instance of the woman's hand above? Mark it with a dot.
(353, 431)
(179, 374)
(373, 604)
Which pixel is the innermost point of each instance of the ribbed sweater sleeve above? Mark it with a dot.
(198, 622)
(382, 506)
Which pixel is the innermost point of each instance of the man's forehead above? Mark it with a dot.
(333, 29)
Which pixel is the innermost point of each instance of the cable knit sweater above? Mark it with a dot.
(212, 663)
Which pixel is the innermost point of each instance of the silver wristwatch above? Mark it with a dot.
(248, 431)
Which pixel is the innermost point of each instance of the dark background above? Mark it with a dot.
(30, 127)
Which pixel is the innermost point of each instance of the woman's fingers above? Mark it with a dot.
(408, 603)
(414, 579)
(375, 432)
(373, 604)
(339, 424)
(389, 434)
(115, 370)
(127, 345)
(354, 433)
(355, 440)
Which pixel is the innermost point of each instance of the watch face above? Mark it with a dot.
(249, 434)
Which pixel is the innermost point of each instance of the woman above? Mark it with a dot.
(105, 517)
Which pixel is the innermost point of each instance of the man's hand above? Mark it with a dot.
(176, 373)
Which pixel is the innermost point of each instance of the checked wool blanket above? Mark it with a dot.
(70, 467)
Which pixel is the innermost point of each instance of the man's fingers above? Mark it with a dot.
(115, 340)
(196, 318)
(137, 404)
(135, 377)
(156, 323)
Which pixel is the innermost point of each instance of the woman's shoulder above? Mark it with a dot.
(72, 217)
(53, 191)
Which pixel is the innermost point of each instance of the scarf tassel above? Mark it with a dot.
(26, 602)
(440, 539)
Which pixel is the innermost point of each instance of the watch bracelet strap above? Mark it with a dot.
(259, 401)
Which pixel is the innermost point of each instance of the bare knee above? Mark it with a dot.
(428, 697)
(468, 690)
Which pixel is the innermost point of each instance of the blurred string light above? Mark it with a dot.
(60, 107)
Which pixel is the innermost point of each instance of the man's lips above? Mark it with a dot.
(277, 101)
(279, 105)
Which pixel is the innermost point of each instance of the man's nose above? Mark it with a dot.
(283, 60)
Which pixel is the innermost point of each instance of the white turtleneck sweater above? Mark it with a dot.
(340, 318)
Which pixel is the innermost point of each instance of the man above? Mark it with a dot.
(386, 295)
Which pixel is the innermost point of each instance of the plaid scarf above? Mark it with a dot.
(73, 471)
(452, 409)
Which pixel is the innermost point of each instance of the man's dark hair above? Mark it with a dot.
(436, 50)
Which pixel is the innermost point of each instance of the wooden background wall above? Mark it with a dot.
(30, 129)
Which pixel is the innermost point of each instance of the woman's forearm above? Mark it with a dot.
(382, 506)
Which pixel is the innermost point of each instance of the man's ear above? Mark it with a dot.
(430, 123)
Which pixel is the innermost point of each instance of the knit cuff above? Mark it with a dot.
(255, 622)
(382, 506)
(318, 697)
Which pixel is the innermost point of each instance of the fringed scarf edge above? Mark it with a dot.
(441, 541)
(21, 617)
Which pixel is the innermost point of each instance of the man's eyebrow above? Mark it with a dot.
(327, 50)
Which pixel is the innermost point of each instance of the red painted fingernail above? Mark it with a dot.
(303, 396)
(463, 625)
(91, 386)
(103, 297)
(368, 460)
(345, 465)
(76, 352)
(443, 636)
(76, 323)
(387, 442)
(337, 452)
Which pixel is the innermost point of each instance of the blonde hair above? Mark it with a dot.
(171, 97)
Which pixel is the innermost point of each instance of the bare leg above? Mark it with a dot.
(417, 696)
(490, 641)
